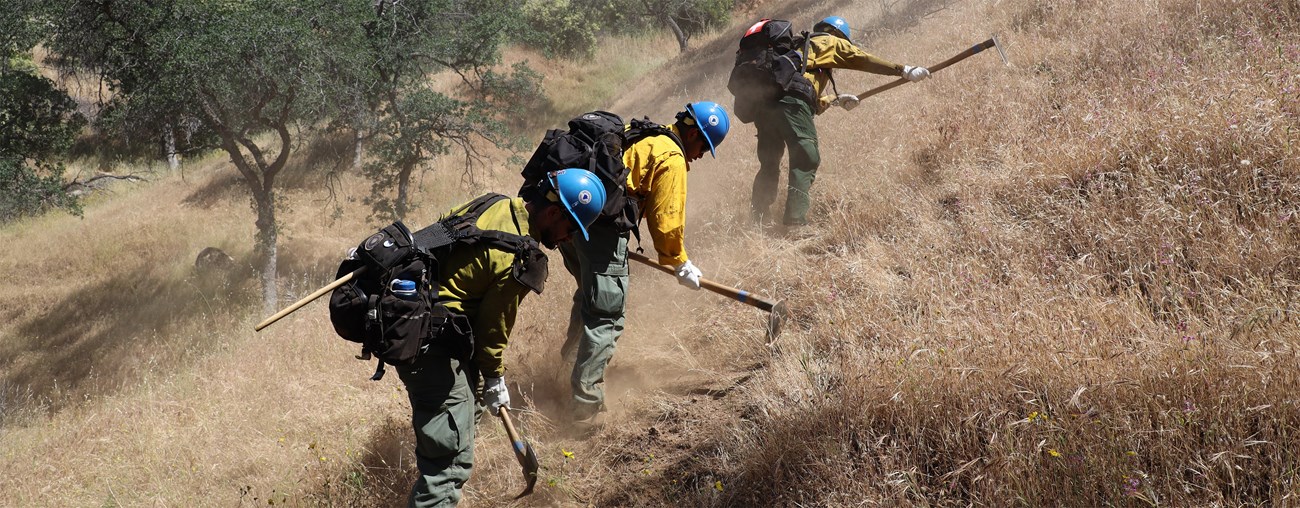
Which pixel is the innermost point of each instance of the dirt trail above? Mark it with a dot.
(677, 384)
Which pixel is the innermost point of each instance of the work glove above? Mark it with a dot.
(847, 101)
(495, 394)
(915, 73)
(688, 275)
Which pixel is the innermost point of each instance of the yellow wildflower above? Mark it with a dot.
(718, 485)
(567, 454)
(1053, 452)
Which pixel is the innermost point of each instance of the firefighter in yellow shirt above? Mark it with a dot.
(658, 160)
(789, 122)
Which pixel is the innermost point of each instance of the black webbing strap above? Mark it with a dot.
(462, 227)
(829, 75)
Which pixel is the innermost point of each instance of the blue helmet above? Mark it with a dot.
(833, 24)
(712, 121)
(581, 193)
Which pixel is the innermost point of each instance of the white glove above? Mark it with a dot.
(915, 73)
(495, 394)
(688, 275)
(847, 101)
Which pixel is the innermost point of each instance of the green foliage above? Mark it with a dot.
(204, 66)
(560, 29)
(698, 16)
(253, 66)
(419, 127)
(121, 42)
(37, 124)
(569, 28)
(236, 69)
(410, 122)
(512, 96)
(18, 30)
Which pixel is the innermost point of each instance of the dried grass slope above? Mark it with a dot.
(1071, 281)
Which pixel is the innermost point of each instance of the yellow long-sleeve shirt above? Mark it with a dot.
(657, 177)
(477, 281)
(827, 52)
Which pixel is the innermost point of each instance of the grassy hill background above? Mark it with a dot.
(1071, 280)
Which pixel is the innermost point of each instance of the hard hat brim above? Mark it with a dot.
(690, 108)
(572, 214)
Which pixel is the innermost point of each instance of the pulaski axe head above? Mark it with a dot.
(523, 453)
(998, 46)
(775, 320)
(528, 459)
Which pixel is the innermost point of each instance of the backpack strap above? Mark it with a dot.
(530, 267)
(639, 129)
(830, 75)
(807, 43)
(448, 230)
(640, 214)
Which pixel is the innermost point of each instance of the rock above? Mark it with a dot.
(212, 259)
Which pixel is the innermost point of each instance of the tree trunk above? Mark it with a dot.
(403, 189)
(659, 11)
(677, 32)
(267, 249)
(169, 147)
(259, 174)
(357, 139)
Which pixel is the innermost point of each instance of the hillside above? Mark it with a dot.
(1070, 281)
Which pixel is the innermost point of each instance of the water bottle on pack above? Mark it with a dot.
(402, 288)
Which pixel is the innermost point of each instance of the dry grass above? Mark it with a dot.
(576, 86)
(1072, 283)
(1067, 282)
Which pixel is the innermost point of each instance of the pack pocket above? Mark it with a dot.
(451, 334)
(404, 324)
(349, 305)
(387, 248)
(609, 294)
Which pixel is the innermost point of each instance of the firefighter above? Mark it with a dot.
(789, 121)
(657, 160)
(479, 282)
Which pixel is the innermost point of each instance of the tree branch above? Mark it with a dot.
(89, 183)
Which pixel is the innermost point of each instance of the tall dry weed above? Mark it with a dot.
(1080, 289)
(1068, 282)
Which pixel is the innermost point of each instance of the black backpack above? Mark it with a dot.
(770, 64)
(641, 128)
(396, 330)
(595, 141)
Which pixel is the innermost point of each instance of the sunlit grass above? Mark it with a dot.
(1070, 281)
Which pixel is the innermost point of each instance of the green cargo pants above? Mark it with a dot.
(785, 123)
(599, 266)
(443, 415)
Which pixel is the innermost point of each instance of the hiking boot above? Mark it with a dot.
(798, 232)
(587, 419)
(587, 412)
(569, 351)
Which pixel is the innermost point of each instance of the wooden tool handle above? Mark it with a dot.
(510, 429)
(740, 295)
(307, 299)
(933, 69)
